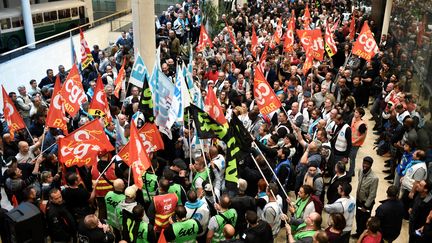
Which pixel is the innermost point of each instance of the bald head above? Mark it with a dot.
(119, 185)
(228, 231)
(23, 146)
(213, 151)
(225, 201)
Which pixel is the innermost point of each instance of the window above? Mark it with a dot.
(64, 13)
(74, 12)
(50, 16)
(37, 18)
(17, 22)
(5, 24)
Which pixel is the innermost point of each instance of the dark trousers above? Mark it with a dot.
(362, 217)
(102, 211)
(407, 202)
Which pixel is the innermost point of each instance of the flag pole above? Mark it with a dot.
(190, 145)
(262, 174)
(274, 174)
(30, 134)
(129, 175)
(208, 172)
(103, 172)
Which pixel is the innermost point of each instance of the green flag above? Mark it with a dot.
(146, 101)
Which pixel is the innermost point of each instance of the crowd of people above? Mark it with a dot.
(303, 159)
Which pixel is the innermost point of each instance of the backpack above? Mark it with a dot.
(317, 203)
(289, 182)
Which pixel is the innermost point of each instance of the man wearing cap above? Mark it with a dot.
(366, 194)
(126, 206)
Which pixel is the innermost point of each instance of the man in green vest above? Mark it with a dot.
(112, 199)
(182, 229)
(136, 230)
(305, 231)
(201, 175)
(217, 222)
(150, 186)
(174, 187)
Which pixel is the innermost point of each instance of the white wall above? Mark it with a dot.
(33, 65)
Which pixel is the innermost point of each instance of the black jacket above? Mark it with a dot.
(260, 233)
(332, 191)
(61, 224)
(390, 214)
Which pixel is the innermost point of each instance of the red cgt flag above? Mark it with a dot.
(306, 17)
(263, 59)
(138, 158)
(265, 97)
(83, 145)
(99, 104)
(352, 28)
(308, 62)
(278, 32)
(254, 41)
(56, 113)
(213, 107)
(12, 117)
(330, 44)
(72, 92)
(119, 80)
(289, 35)
(312, 39)
(86, 56)
(204, 39)
(365, 45)
(151, 138)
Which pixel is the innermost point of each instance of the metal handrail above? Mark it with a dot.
(67, 31)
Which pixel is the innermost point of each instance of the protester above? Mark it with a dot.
(244, 125)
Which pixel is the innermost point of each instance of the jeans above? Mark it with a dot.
(352, 157)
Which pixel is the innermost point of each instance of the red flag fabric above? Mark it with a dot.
(330, 44)
(365, 45)
(86, 56)
(56, 113)
(99, 103)
(119, 80)
(265, 97)
(289, 35)
(72, 92)
(278, 32)
(213, 107)
(306, 17)
(11, 115)
(254, 41)
(151, 138)
(83, 145)
(204, 39)
(308, 62)
(352, 28)
(263, 58)
(421, 31)
(162, 237)
(312, 39)
(138, 158)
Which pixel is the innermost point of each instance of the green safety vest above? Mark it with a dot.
(304, 234)
(142, 236)
(112, 199)
(176, 189)
(186, 231)
(149, 186)
(138, 234)
(203, 175)
(227, 217)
